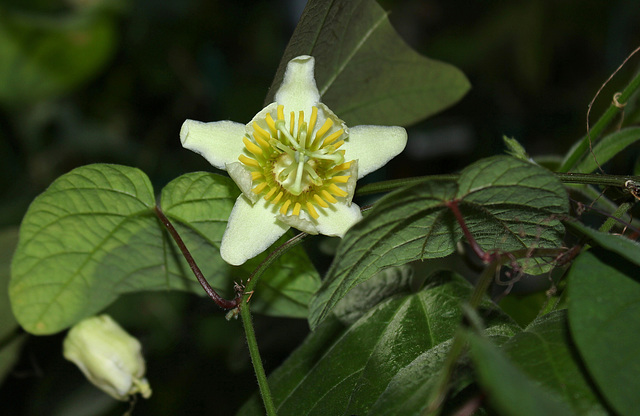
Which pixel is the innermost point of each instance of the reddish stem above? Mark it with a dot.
(483, 255)
(220, 301)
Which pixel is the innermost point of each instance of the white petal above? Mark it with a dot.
(298, 90)
(300, 222)
(219, 142)
(251, 229)
(242, 177)
(338, 218)
(374, 146)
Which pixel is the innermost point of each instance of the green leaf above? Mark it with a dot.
(198, 205)
(93, 235)
(507, 204)
(365, 72)
(619, 244)
(508, 388)
(604, 305)
(545, 352)
(10, 341)
(369, 365)
(607, 148)
(43, 56)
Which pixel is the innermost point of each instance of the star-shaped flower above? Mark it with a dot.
(296, 164)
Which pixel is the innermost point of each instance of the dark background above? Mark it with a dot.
(534, 67)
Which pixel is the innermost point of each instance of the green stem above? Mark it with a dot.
(252, 343)
(247, 322)
(580, 178)
(597, 129)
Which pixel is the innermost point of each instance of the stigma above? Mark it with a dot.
(296, 164)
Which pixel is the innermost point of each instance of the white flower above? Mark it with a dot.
(296, 164)
(108, 356)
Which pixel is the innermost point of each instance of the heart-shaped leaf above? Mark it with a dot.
(370, 365)
(507, 204)
(365, 72)
(94, 235)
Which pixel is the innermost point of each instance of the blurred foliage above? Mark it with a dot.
(86, 81)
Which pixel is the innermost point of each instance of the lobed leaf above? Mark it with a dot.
(507, 204)
(370, 365)
(604, 305)
(93, 235)
(365, 72)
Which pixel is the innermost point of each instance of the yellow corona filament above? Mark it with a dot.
(340, 179)
(261, 142)
(260, 131)
(258, 189)
(340, 168)
(312, 211)
(270, 193)
(271, 124)
(326, 195)
(300, 120)
(324, 129)
(252, 147)
(256, 175)
(332, 137)
(320, 201)
(248, 161)
(296, 209)
(281, 112)
(285, 207)
(333, 188)
(292, 120)
(313, 119)
(337, 145)
(277, 198)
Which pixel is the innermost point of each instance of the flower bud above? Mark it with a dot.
(108, 356)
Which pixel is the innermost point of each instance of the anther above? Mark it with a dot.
(285, 207)
(311, 210)
(258, 189)
(320, 201)
(296, 209)
(248, 161)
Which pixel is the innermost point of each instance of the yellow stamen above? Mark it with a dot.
(313, 119)
(326, 195)
(292, 120)
(258, 189)
(270, 193)
(300, 119)
(296, 208)
(262, 142)
(332, 138)
(252, 147)
(340, 179)
(320, 201)
(325, 128)
(277, 198)
(256, 175)
(333, 188)
(340, 168)
(248, 161)
(281, 112)
(261, 132)
(312, 211)
(271, 124)
(285, 207)
(337, 145)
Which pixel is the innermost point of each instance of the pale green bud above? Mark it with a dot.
(108, 356)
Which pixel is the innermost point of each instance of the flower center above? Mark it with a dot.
(297, 169)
